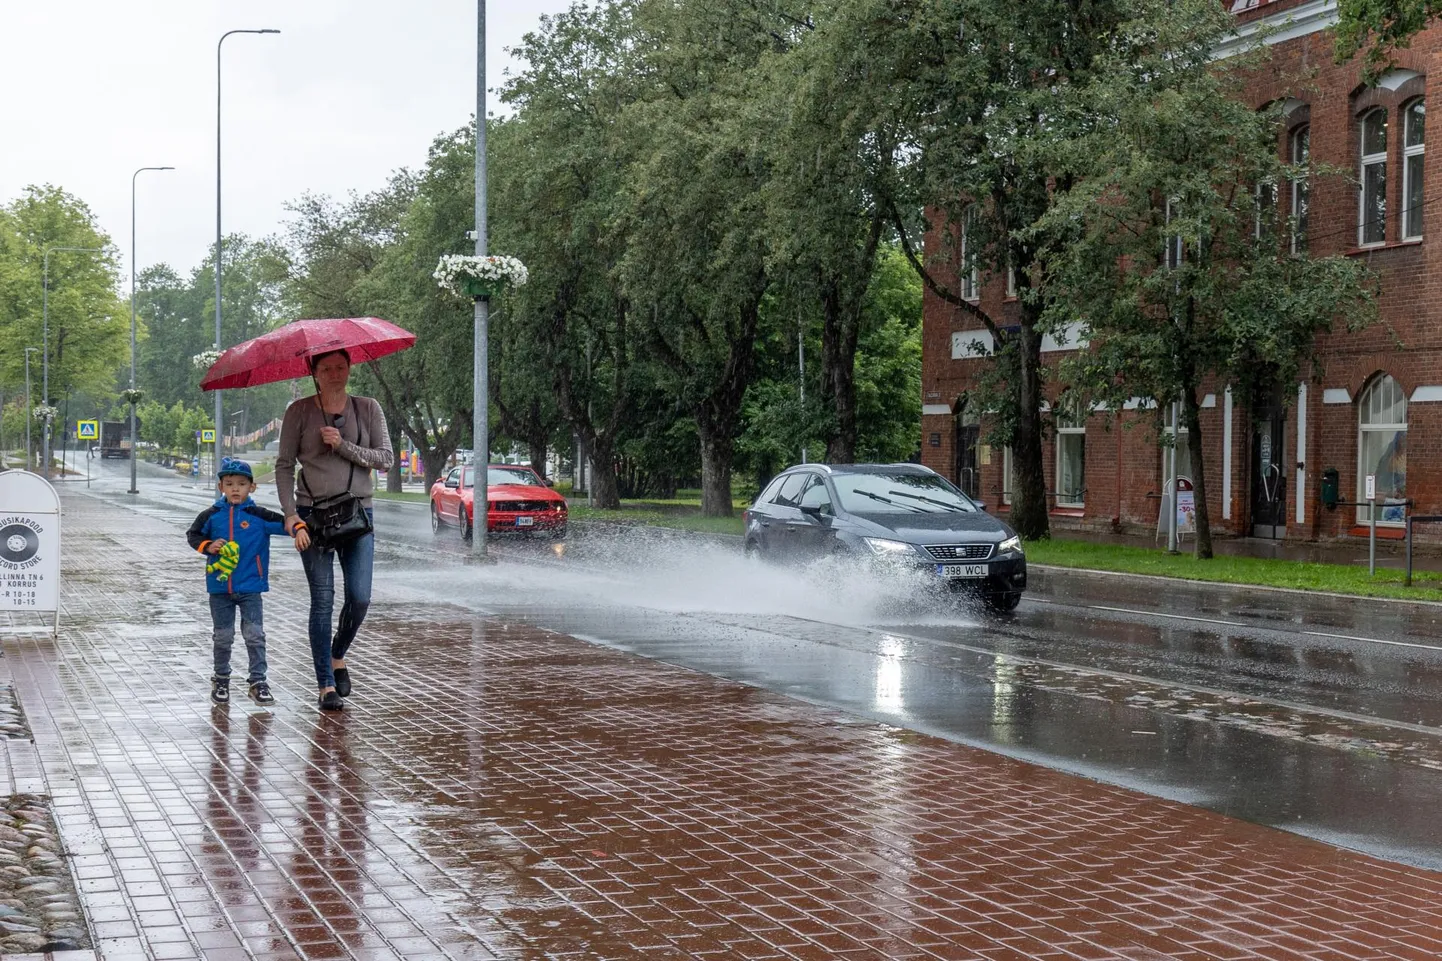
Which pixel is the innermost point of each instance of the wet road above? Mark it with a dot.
(1314, 714)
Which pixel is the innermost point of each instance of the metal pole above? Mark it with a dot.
(1172, 470)
(1372, 536)
(134, 440)
(801, 367)
(480, 386)
(218, 256)
(1408, 581)
(29, 447)
(45, 343)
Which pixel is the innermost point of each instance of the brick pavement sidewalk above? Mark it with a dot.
(495, 791)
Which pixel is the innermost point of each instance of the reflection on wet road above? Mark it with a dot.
(1315, 714)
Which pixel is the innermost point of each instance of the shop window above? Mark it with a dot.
(1382, 449)
(1413, 149)
(1372, 217)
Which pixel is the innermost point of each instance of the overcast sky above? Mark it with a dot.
(347, 92)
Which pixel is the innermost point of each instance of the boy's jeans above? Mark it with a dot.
(252, 628)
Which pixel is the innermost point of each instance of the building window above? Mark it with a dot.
(1175, 244)
(1266, 209)
(1182, 444)
(1071, 462)
(1006, 475)
(1301, 156)
(970, 275)
(1413, 145)
(1382, 449)
(1011, 281)
(1372, 221)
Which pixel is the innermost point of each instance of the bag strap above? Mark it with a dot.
(350, 407)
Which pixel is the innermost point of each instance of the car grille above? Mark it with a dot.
(521, 507)
(961, 552)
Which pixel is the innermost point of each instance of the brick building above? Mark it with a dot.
(1379, 396)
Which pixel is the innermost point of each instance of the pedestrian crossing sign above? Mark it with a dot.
(87, 430)
(207, 436)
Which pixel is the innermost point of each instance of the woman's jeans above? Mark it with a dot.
(357, 562)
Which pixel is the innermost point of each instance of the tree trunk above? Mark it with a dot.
(716, 449)
(434, 461)
(838, 357)
(605, 492)
(538, 456)
(1029, 515)
(394, 477)
(1192, 413)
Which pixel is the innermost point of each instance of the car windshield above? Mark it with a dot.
(497, 476)
(900, 494)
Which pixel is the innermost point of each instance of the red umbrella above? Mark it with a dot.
(284, 353)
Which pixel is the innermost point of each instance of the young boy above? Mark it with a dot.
(236, 578)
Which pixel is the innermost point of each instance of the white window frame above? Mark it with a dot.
(1066, 429)
(1011, 281)
(1408, 152)
(1301, 186)
(1006, 475)
(970, 278)
(1364, 402)
(1371, 160)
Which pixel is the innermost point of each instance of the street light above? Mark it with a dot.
(134, 441)
(45, 353)
(29, 452)
(218, 257)
(480, 384)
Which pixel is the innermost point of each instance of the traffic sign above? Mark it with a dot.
(87, 430)
(207, 436)
(1371, 487)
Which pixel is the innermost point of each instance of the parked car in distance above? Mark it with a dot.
(519, 502)
(901, 517)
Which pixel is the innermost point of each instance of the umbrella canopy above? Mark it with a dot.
(284, 353)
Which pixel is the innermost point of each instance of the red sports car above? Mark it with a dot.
(519, 501)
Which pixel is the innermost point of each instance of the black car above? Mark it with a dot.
(899, 515)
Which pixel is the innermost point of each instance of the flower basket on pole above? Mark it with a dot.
(476, 278)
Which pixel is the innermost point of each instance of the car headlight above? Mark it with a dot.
(1012, 545)
(886, 548)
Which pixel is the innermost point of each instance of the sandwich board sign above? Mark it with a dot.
(29, 546)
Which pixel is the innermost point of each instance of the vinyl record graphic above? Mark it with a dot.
(18, 543)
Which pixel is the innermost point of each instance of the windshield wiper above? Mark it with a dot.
(932, 500)
(887, 500)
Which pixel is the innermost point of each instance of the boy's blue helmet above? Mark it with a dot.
(232, 465)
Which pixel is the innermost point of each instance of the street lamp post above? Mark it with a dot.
(29, 451)
(45, 343)
(134, 441)
(480, 385)
(218, 257)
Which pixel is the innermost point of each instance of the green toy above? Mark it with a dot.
(225, 562)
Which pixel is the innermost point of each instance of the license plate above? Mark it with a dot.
(525, 521)
(961, 570)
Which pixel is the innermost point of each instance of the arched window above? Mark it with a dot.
(1372, 216)
(1414, 144)
(1300, 154)
(1382, 448)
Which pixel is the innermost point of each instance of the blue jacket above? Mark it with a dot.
(249, 525)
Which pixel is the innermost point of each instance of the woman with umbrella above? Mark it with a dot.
(337, 440)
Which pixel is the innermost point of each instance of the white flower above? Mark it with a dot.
(496, 273)
(43, 412)
(205, 359)
(132, 395)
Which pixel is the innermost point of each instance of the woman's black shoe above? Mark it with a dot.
(330, 701)
(342, 681)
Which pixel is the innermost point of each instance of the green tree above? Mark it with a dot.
(1176, 269)
(1380, 27)
(88, 325)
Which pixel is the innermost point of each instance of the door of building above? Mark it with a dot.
(968, 437)
(1269, 470)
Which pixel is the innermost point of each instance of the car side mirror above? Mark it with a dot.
(452, 484)
(549, 482)
(812, 512)
(983, 507)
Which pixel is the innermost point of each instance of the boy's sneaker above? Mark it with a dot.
(260, 693)
(220, 690)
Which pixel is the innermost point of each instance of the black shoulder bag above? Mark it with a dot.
(339, 520)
